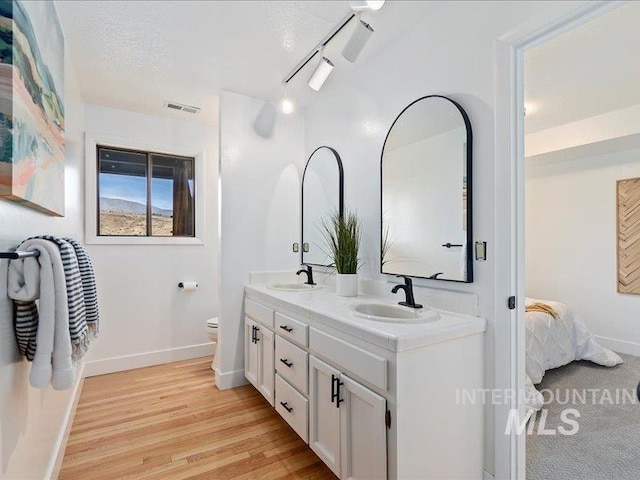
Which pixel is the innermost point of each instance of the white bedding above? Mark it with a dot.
(552, 343)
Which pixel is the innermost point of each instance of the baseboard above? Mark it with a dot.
(487, 476)
(620, 346)
(228, 380)
(63, 437)
(147, 359)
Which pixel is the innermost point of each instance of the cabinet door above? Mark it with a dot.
(363, 432)
(250, 352)
(324, 414)
(266, 370)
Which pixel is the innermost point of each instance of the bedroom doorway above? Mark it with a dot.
(510, 272)
(581, 246)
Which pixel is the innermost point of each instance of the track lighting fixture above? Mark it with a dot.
(321, 73)
(357, 41)
(351, 51)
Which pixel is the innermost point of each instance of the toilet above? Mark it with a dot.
(212, 331)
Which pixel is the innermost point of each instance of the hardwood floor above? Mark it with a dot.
(171, 422)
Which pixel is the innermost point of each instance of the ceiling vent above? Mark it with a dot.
(182, 107)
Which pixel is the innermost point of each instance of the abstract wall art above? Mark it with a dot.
(32, 154)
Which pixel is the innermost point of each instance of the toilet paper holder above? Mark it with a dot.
(181, 285)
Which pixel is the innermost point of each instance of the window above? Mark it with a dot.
(144, 194)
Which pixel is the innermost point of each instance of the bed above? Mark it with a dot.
(556, 337)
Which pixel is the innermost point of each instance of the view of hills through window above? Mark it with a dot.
(132, 203)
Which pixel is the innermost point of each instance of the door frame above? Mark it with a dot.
(510, 275)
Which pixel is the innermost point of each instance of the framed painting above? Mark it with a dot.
(32, 155)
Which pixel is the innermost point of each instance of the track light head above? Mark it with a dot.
(358, 6)
(357, 41)
(287, 105)
(320, 74)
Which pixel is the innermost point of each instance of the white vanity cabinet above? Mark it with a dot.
(292, 364)
(258, 354)
(259, 350)
(324, 414)
(370, 404)
(347, 427)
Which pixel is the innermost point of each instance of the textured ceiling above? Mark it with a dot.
(136, 55)
(591, 70)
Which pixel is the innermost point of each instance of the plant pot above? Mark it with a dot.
(347, 284)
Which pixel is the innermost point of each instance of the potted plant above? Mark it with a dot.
(342, 234)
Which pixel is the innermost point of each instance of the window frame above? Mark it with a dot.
(149, 186)
(94, 141)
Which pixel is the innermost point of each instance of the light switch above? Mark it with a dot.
(481, 251)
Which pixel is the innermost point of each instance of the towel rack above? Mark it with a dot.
(19, 254)
(450, 245)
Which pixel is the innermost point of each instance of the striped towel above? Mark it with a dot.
(88, 286)
(26, 327)
(75, 296)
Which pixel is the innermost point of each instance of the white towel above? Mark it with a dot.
(43, 278)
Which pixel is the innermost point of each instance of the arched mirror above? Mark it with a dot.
(322, 196)
(426, 192)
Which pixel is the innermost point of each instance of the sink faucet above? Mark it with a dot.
(408, 291)
(309, 273)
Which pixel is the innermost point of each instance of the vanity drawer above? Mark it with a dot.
(367, 366)
(292, 363)
(293, 407)
(292, 329)
(259, 313)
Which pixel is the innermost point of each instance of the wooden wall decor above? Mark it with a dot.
(628, 193)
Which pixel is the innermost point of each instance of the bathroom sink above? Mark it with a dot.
(293, 287)
(385, 312)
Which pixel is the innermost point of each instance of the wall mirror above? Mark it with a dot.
(322, 196)
(426, 192)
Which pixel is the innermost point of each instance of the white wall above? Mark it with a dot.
(587, 132)
(571, 237)
(33, 422)
(144, 316)
(452, 53)
(260, 214)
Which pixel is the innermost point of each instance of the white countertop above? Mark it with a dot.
(325, 307)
